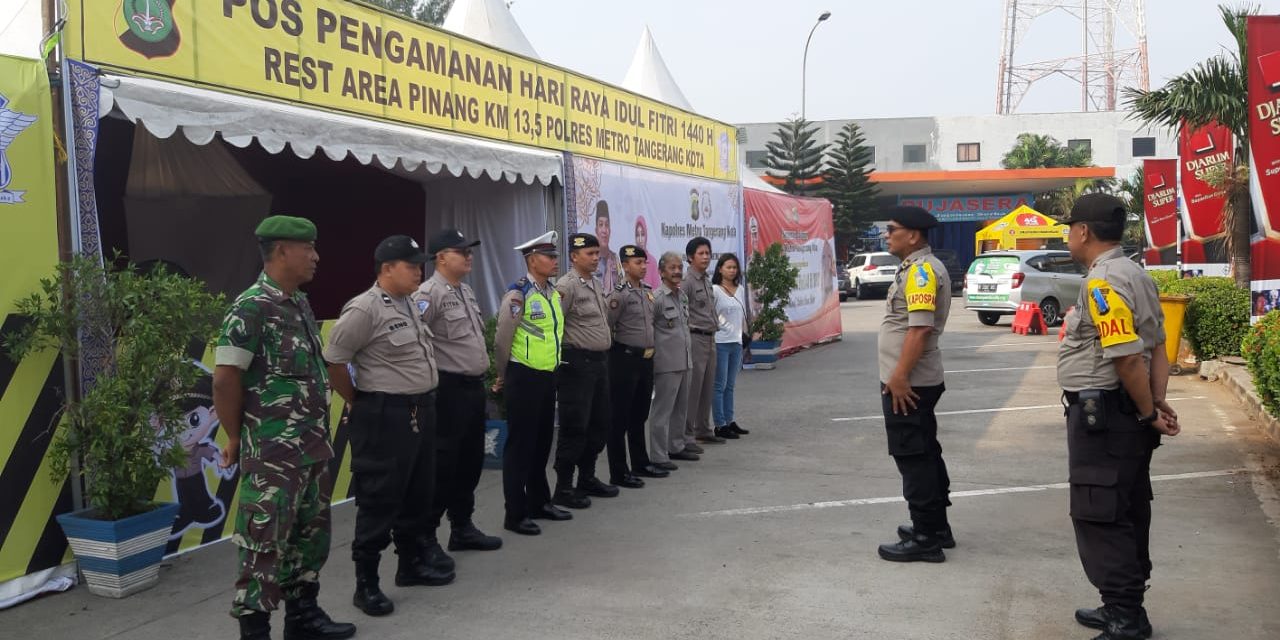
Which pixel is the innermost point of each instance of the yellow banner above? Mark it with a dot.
(28, 252)
(344, 56)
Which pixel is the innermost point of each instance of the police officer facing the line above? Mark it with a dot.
(703, 324)
(450, 310)
(392, 421)
(631, 371)
(671, 366)
(582, 383)
(270, 387)
(526, 352)
(1114, 371)
(916, 309)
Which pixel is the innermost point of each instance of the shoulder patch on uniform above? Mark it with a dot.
(613, 303)
(516, 308)
(1110, 314)
(386, 299)
(422, 305)
(519, 285)
(922, 288)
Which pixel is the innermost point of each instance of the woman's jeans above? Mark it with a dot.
(728, 363)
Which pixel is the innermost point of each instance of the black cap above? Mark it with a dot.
(1096, 207)
(449, 239)
(912, 217)
(399, 248)
(582, 241)
(631, 251)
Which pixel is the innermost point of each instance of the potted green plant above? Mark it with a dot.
(495, 428)
(119, 435)
(772, 279)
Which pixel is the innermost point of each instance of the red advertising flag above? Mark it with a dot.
(1201, 151)
(1263, 60)
(1160, 188)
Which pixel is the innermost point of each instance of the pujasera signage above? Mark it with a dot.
(969, 208)
(345, 56)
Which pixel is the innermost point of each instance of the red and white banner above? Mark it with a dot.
(1160, 191)
(1202, 151)
(1263, 33)
(807, 232)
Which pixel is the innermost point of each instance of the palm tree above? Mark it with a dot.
(1213, 90)
(1035, 151)
(1133, 191)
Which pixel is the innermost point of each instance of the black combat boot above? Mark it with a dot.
(414, 570)
(945, 539)
(305, 620)
(255, 625)
(466, 536)
(429, 547)
(921, 548)
(369, 597)
(1102, 617)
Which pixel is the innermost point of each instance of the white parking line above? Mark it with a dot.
(1047, 366)
(1033, 407)
(808, 506)
(999, 344)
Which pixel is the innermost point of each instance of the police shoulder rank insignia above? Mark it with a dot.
(1110, 314)
(620, 286)
(386, 299)
(922, 290)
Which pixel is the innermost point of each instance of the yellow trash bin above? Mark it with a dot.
(1175, 310)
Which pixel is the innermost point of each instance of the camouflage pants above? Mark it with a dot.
(282, 529)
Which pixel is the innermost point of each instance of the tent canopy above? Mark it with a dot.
(1021, 223)
(490, 22)
(649, 75)
(164, 107)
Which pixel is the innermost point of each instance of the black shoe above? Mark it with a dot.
(726, 433)
(738, 430)
(414, 570)
(524, 526)
(466, 537)
(594, 487)
(255, 625)
(571, 498)
(651, 471)
(629, 481)
(665, 466)
(305, 620)
(693, 448)
(435, 556)
(685, 455)
(945, 539)
(549, 511)
(918, 549)
(711, 439)
(369, 598)
(1102, 616)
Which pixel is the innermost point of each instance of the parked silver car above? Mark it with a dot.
(999, 281)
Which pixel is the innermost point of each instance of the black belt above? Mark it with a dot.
(395, 399)
(1117, 398)
(638, 352)
(585, 354)
(702, 332)
(460, 377)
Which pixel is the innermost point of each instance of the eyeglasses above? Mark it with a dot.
(890, 228)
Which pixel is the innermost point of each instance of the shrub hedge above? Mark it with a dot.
(1218, 315)
(1262, 353)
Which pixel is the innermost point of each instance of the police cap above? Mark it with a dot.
(582, 241)
(399, 248)
(912, 217)
(631, 251)
(1096, 207)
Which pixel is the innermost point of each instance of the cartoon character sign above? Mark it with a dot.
(197, 506)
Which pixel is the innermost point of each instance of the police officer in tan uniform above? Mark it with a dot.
(703, 324)
(582, 382)
(631, 371)
(1114, 371)
(916, 310)
(671, 365)
(392, 421)
(450, 310)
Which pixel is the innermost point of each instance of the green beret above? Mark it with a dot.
(286, 228)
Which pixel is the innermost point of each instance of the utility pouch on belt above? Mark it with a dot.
(1093, 410)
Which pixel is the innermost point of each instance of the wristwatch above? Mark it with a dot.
(1147, 421)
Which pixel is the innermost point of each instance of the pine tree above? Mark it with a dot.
(428, 11)
(796, 156)
(847, 182)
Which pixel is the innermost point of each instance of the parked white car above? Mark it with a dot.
(999, 281)
(871, 273)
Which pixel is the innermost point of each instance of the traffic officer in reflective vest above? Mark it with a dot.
(270, 387)
(916, 309)
(582, 383)
(392, 421)
(1114, 371)
(450, 310)
(526, 352)
(631, 371)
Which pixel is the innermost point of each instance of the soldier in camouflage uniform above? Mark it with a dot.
(270, 380)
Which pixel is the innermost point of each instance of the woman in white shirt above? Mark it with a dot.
(731, 309)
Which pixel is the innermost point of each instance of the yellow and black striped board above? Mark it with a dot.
(30, 390)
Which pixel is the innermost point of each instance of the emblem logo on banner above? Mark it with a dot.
(152, 30)
(12, 123)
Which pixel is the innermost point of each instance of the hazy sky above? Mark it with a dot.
(739, 60)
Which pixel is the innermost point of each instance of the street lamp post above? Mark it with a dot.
(804, 66)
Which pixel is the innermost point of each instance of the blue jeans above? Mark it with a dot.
(728, 363)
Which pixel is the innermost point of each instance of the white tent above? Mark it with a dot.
(752, 181)
(490, 22)
(650, 76)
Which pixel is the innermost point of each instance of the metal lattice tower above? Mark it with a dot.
(1112, 53)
